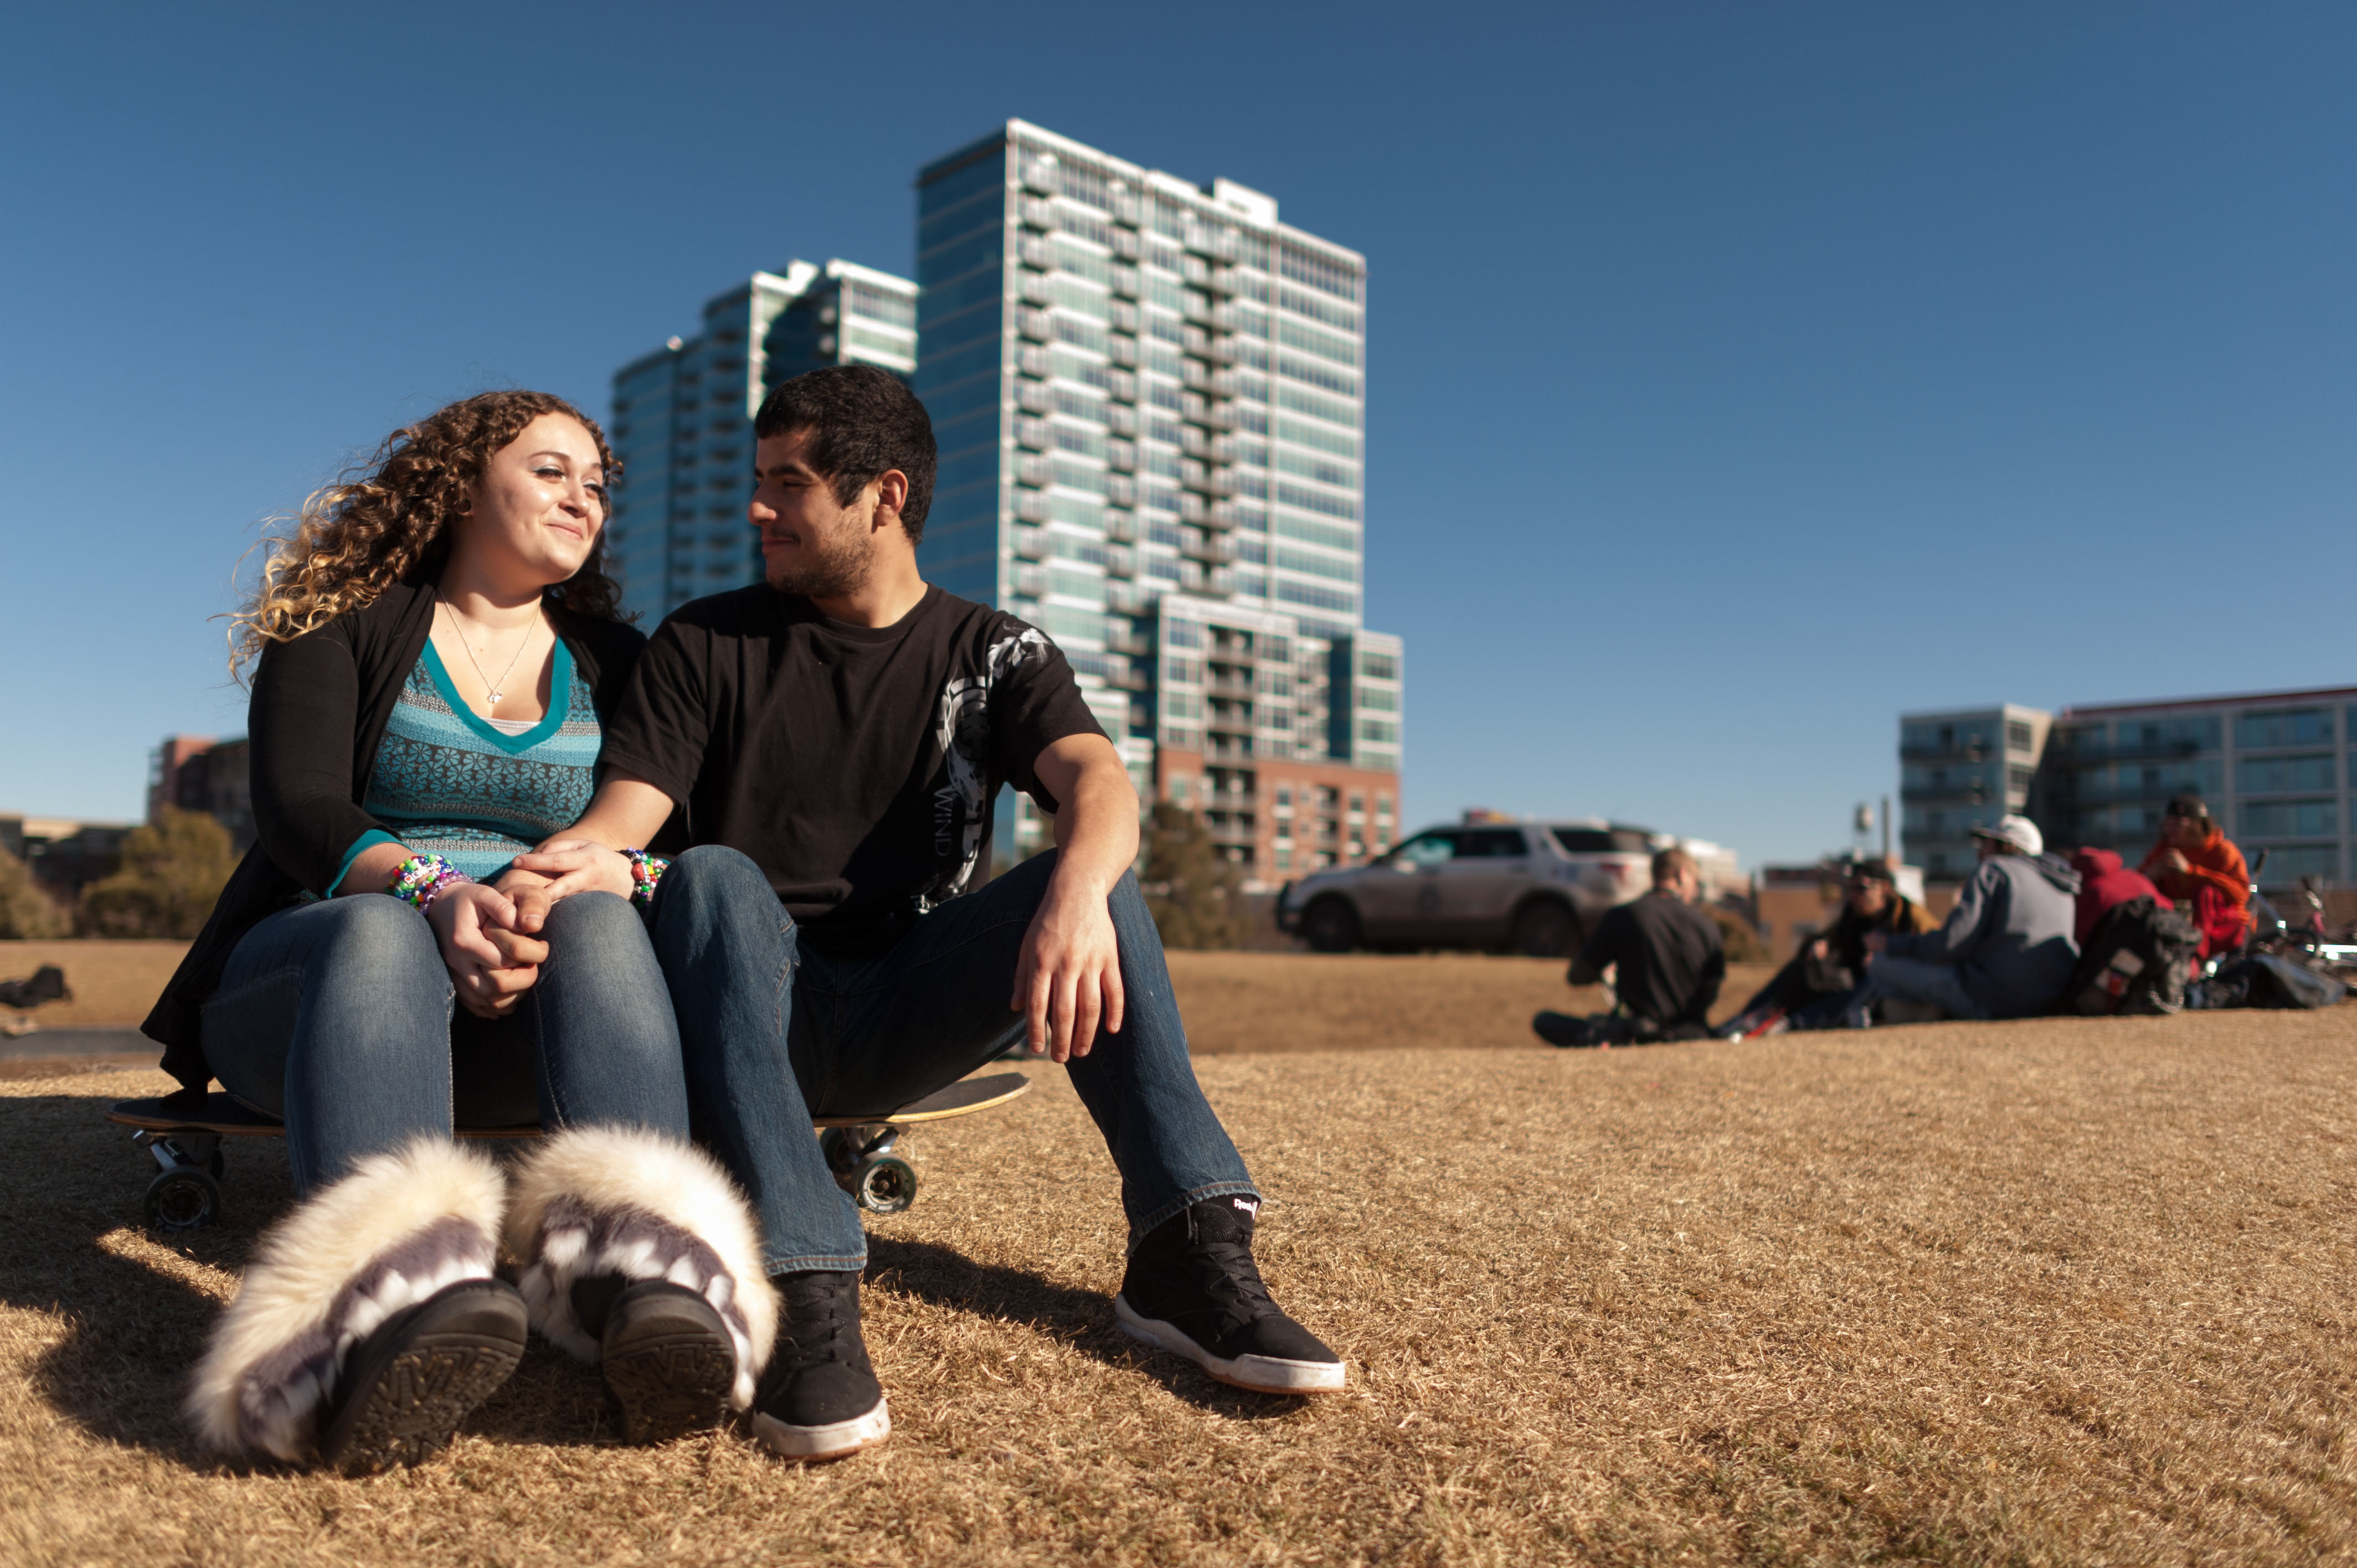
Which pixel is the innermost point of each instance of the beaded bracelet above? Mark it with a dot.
(421, 877)
(646, 871)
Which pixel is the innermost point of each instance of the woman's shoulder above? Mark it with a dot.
(386, 622)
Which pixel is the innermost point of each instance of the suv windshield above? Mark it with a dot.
(1600, 841)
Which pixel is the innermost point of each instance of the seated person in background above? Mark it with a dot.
(2197, 865)
(2104, 883)
(2006, 950)
(1666, 962)
(1810, 992)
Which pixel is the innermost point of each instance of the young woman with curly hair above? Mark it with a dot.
(433, 651)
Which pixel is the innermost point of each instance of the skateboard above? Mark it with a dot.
(184, 1137)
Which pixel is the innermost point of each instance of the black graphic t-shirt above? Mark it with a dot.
(857, 765)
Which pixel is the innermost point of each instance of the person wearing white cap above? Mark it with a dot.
(2006, 950)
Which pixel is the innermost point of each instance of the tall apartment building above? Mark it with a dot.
(2277, 768)
(682, 419)
(1961, 770)
(1149, 401)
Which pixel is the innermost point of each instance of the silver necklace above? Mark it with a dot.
(489, 685)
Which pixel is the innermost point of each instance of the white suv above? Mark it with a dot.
(1529, 887)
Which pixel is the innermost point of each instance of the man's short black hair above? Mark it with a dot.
(867, 422)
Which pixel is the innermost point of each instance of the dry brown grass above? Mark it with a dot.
(2060, 1292)
(113, 983)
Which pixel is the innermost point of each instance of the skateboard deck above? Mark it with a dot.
(184, 1137)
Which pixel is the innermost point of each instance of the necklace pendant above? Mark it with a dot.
(495, 698)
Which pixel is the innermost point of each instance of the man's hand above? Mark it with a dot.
(2173, 859)
(1876, 943)
(558, 869)
(491, 965)
(1822, 949)
(1069, 978)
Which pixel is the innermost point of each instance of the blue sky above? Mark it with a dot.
(1739, 375)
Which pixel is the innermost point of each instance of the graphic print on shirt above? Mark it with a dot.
(962, 802)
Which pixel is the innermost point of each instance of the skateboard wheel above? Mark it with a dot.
(887, 1184)
(186, 1198)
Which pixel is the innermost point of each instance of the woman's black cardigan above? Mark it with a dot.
(319, 712)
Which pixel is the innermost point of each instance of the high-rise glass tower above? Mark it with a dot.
(682, 419)
(1150, 396)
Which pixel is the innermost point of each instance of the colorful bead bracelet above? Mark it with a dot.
(646, 871)
(421, 877)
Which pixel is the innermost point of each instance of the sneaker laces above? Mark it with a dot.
(817, 1330)
(1231, 1279)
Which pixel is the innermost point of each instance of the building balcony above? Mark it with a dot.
(1968, 751)
(1217, 549)
(1239, 832)
(1222, 281)
(1950, 795)
(1197, 409)
(2126, 751)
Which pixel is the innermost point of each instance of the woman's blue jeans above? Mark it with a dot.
(777, 1030)
(337, 1017)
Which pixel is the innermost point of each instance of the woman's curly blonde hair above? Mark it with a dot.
(389, 522)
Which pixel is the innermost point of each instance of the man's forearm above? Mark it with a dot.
(625, 814)
(1097, 831)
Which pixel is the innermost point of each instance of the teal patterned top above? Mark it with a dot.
(448, 783)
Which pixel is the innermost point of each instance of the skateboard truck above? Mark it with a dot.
(185, 1194)
(864, 1165)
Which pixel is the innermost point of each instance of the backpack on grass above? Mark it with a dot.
(2135, 962)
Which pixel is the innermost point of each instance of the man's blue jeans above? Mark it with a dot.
(1917, 980)
(337, 1017)
(776, 1031)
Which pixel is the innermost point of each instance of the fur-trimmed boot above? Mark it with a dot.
(640, 1254)
(370, 1323)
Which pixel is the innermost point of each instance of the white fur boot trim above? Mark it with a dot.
(617, 1200)
(400, 1229)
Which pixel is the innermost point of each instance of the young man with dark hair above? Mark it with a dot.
(1666, 961)
(838, 735)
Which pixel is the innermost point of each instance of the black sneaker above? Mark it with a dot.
(821, 1398)
(1192, 1289)
(667, 1357)
(407, 1386)
(1563, 1030)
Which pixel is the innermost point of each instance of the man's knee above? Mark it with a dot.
(591, 921)
(711, 877)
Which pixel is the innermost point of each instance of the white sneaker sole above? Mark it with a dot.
(836, 1441)
(1261, 1374)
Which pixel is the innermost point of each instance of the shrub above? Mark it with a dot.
(173, 869)
(1195, 895)
(27, 913)
(1737, 938)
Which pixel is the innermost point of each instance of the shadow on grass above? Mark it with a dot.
(133, 1330)
(1080, 1318)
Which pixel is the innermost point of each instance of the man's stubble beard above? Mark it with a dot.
(844, 559)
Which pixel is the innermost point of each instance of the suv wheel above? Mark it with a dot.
(1546, 929)
(1331, 925)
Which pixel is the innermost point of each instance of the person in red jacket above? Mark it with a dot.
(2105, 881)
(2197, 865)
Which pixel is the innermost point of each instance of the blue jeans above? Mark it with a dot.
(337, 1017)
(776, 1031)
(1916, 979)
